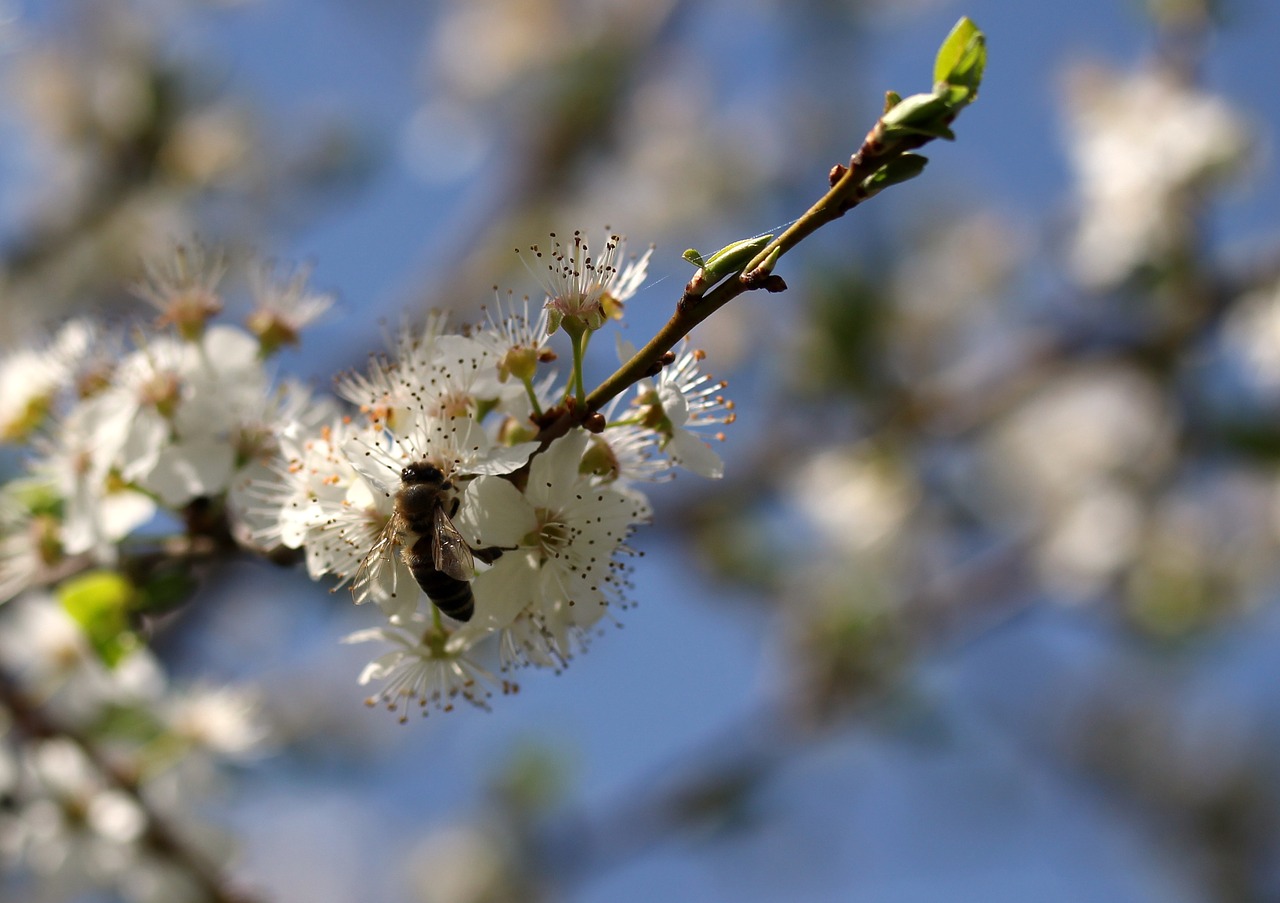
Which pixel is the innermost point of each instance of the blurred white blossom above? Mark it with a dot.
(859, 498)
(52, 656)
(283, 306)
(1251, 335)
(463, 864)
(1142, 144)
(224, 720)
(1086, 426)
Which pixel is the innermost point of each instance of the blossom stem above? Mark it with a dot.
(578, 339)
(533, 397)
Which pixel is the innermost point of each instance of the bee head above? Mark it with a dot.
(422, 472)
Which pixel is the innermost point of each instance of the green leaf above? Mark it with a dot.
(899, 169)
(953, 48)
(35, 495)
(729, 259)
(100, 602)
(960, 63)
(919, 111)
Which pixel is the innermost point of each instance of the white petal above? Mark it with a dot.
(142, 445)
(395, 590)
(231, 349)
(494, 513)
(366, 635)
(556, 469)
(502, 592)
(674, 404)
(373, 462)
(295, 522)
(691, 453)
(185, 472)
(503, 459)
(380, 667)
(121, 512)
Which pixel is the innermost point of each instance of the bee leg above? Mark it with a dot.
(491, 554)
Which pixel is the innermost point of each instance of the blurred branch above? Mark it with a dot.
(159, 836)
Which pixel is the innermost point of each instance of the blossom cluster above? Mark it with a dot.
(486, 542)
(120, 435)
(459, 482)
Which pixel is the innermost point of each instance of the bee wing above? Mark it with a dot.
(371, 575)
(451, 553)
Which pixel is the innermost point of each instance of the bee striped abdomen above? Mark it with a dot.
(449, 594)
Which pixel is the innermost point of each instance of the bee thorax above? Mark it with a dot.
(416, 504)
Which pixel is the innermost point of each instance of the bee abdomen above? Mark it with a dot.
(449, 594)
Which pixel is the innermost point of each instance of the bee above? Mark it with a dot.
(430, 545)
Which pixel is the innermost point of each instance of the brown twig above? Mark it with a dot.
(848, 188)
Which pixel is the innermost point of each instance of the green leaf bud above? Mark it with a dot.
(100, 602)
(900, 169)
(960, 63)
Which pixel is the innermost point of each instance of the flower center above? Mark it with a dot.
(552, 534)
(162, 391)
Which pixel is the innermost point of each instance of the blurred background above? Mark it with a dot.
(986, 606)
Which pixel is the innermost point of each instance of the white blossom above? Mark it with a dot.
(49, 652)
(30, 539)
(566, 560)
(29, 380)
(317, 500)
(422, 669)
(259, 439)
(518, 343)
(681, 400)
(626, 453)
(1251, 334)
(859, 499)
(584, 288)
(170, 420)
(78, 827)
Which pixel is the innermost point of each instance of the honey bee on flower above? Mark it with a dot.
(487, 544)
